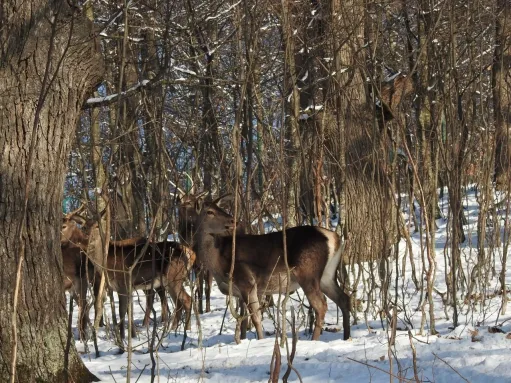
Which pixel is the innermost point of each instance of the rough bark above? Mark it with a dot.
(502, 92)
(293, 111)
(49, 63)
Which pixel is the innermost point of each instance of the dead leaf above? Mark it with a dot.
(475, 335)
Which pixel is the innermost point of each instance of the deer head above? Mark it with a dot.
(213, 220)
(70, 232)
(190, 206)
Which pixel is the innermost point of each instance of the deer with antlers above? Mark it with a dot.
(313, 256)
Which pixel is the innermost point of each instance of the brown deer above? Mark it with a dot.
(189, 206)
(78, 270)
(313, 256)
(155, 265)
(188, 215)
(74, 246)
(171, 264)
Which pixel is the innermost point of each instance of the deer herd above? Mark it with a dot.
(306, 257)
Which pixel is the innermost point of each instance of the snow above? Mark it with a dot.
(467, 353)
(105, 99)
(184, 70)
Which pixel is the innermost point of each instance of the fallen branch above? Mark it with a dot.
(451, 367)
(401, 379)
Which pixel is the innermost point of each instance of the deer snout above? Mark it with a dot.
(230, 224)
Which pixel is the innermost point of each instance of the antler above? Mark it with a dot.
(192, 188)
(77, 211)
(178, 189)
(226, 197)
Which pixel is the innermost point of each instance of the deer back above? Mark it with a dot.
(308, 247)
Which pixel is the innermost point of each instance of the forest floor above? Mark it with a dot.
(471, 352)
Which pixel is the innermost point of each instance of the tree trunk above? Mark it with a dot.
(49, 65)
(502, 93)
(291, 122)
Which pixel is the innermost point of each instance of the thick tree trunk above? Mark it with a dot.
(46, 72)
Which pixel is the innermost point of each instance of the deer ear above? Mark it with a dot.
(223, 198)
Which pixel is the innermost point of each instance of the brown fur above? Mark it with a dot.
(164, 265)
(189, 206)
(259, 266)
(129, 242)
(172, 260)
(77, 269)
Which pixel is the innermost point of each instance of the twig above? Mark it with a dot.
(141, 372)
(223, 319)
(451, 367)
(111, 373)
(276, 363)
(414, 357)
(381, 369)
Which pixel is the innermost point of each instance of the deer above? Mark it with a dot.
(189, 205)
(78, 270)
(313, 256)
(74, 241)
(156, 265)
(172, 262)
(188, 214)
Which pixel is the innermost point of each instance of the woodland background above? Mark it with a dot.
(317, 112)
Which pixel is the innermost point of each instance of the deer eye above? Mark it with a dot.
(210, 212)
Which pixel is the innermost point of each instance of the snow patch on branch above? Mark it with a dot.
(106, 99)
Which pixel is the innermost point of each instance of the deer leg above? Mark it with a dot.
(341, 299)
(244, 322)
(318, 302)
(149, 300)
(82, 308)
(164, 304)
(186, 303)
(209, 283)
(174, 295)
(183, 301)
(200, 288)
(252, 301)
(123, 308)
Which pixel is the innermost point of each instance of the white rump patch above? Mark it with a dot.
(334, 258)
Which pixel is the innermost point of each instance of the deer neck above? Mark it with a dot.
(187, 231)
(80, 241)
(207, 248)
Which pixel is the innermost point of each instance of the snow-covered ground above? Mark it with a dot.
(468, 353)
